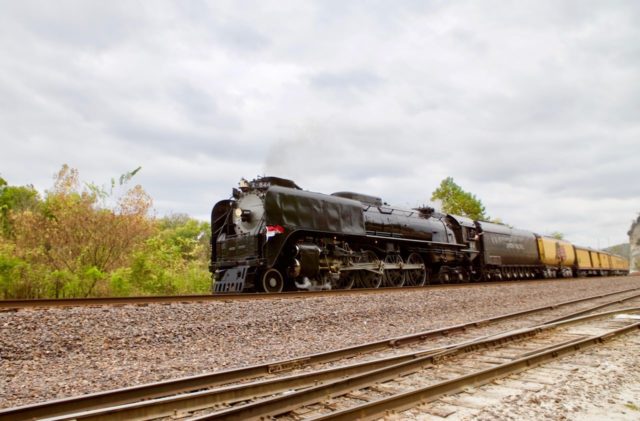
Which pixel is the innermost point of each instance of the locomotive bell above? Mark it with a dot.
(244, 185)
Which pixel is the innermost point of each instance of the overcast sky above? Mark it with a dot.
(534, 106)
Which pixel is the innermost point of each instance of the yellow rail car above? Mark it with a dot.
(557, 256)
(605, 261)
(599, 263)
(595, 259)
(584, 263)
(619, 265)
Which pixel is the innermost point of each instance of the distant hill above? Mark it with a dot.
(620, 249)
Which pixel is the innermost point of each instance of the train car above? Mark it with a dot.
(605, 263)
(619, 265)
(272, 236)
(507, 253)
(595, 260)
(557, 257)
(587, 262)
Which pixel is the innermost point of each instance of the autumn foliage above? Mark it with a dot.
(91, 241)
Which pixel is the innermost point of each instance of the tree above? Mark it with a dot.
(83, 239)
(78, 240)
(557, 235)
(457, 201)
(15, 199)
(173, 261)
(189, 236)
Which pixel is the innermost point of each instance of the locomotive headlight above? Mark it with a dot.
(243, 214)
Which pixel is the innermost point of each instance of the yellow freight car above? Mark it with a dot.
(595, 259)
(557, 256)
(619, 265)
(584, 264)
(605, 262)
(600, 263)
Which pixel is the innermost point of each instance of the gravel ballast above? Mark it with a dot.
(55, 353)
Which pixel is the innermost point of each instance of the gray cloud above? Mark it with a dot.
(345, 83)
(532, 106)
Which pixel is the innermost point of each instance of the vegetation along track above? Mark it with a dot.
(274, 378)
(14, 305)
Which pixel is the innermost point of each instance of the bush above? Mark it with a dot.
(74, 244)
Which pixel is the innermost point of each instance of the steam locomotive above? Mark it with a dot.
(272, 236)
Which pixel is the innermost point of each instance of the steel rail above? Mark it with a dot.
(213, 398)
(8, 305)
(245, 392)
(160, 407)
(188, 384)
(404, 401)
(264, 409)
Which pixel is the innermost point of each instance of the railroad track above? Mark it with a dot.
(15, 305)
(440, 373)
(232, 388)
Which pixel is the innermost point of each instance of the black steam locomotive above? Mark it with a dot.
(273, 236)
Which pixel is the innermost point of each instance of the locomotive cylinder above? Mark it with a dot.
(308, 257)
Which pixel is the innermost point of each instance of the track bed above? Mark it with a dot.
(57, 353)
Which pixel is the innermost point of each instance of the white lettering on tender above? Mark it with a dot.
(498, 240)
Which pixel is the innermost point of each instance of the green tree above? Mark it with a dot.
(15, 199)
(189, 236)
(457, 201)
(173, 261)
(557, 235)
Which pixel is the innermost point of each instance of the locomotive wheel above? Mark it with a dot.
(394, 277)
(415, 277)
(347, 279)
(272, 281)
(368, 279)
(443, 276)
